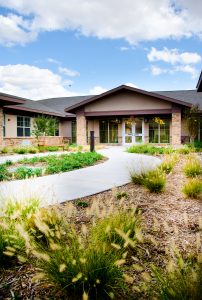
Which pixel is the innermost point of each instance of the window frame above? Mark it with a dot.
(22, 124)
(160, 128)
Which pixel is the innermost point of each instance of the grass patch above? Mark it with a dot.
(82, 204)
(4, 173)
(155, 181)
(193, 188)
(121, 195)
(192, 168)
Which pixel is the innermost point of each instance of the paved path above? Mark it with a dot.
(83, 182)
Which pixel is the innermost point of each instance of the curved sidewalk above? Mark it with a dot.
(82, 182)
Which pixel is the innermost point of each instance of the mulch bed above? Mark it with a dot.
(168, 217)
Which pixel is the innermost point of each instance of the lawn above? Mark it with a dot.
(126, 243)
(46, 165)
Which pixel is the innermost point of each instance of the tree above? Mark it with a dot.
(45, 126)
(192, 117)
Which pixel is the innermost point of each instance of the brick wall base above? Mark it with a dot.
(32, 141)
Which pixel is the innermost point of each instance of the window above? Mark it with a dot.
(23, 126)
(108, 131)
(4, 125)
(159, 133)
(73, 132)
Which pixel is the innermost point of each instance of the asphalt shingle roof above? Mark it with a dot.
(190, 96)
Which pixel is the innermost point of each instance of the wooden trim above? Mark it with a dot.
(128, 112)
(34, 110)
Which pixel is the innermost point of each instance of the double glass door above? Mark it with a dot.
(132, 131)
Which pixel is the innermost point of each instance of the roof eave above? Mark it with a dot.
(152, 94)
(35, 110)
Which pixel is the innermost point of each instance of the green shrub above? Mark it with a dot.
(181, 280)
(12, 244)
(122, 194)
(82, 204)
(146, 148)
(155, 181)
(5, 150)
(193, 188)
(79, 266)
(20, 150)
(52, 148)
(24, 172)
(4, 173)
(32, 150)
(184, 150)
(168, 164)
(8, 163)
(105, 230)
(137, 178)
(192, 168)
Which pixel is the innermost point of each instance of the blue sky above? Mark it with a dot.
(78, 47)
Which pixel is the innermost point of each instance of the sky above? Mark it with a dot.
(52, 48)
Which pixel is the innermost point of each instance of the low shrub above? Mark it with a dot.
(8, 163)
(193, 188)
(12, 243)
(52, 148)
(5, 150)
(146, 148)
(105, 230)
(82, 204)
(32, 150)
(168, 164)
(4, 173)
(192, 168)
(24, 172)
(20, 150)
(181, 280)
(184, 150)
(155, 181)
(122, 194)
(137, 178)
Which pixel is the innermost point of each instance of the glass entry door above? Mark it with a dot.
(132, 131)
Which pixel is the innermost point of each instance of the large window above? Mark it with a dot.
(159, 133)
(73, 132)
(108, 131)
(23, 126)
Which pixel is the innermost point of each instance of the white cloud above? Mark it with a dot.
(123, 48)
(53, 61)
(96, 90)
(155, 70)
(131, 20)
(131, 85)
(173, 56)
(68, 72)
(14, 29)
(32, 82)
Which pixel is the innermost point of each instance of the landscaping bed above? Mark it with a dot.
(46, 165)
(167, 225)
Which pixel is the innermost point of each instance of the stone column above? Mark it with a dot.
(176, 127)
(81, 128)
(1, 127)
(146, 133)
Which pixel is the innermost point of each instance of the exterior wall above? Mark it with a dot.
(1, 127)
(32, 141)
(65, 129)
(127, 101)
(11, 125)
(176, 128)
(81, 129)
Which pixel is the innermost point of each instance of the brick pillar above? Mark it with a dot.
(81, 128)
(176, 127)
(146, 133)
(1, 127)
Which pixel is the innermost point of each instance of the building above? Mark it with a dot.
(123, 115)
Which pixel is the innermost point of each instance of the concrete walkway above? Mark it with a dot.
(83, 182)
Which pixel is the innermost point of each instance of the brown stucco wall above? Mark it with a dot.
(65, 128)
(127, 101)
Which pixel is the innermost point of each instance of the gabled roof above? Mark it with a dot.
(6, 99)
(199, 84)
(61, 103)
(190, 96)
(74, 107)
